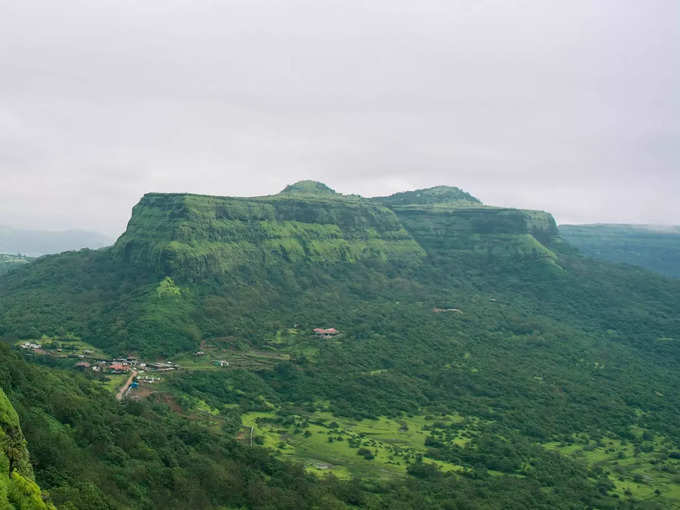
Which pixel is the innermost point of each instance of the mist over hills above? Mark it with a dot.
(35, 243)
(654, 247)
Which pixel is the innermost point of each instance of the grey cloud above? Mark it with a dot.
(570, 107)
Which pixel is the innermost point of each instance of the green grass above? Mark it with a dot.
(115, 381)
(250, 359)
(635, 472)
(393, 442)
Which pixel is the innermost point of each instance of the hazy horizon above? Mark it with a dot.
(671, 227)
(567, 107)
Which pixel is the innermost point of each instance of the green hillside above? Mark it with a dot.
(18, 490)
(479, 360)
(655, 248)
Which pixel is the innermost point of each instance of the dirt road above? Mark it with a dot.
(121, 392)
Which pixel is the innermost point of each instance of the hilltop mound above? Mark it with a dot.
(439, 195)
(309, 187)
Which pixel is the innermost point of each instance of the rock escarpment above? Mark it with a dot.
(190, 236)
(449, 223)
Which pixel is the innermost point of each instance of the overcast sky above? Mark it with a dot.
(568, 106)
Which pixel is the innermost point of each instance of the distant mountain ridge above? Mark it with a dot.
(313, 187)
(654, 247)
(308, 233)
(35, 243)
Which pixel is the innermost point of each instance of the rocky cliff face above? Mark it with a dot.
(190, 236)
(449, 223)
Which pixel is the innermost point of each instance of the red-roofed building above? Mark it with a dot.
(119, 367)
(326, 332)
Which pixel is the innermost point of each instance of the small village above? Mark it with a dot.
(88, 360)
(91, 360)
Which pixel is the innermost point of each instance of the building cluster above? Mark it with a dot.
(87, 360)
(148, 379)
(30, 346)
(124, 365)
(166, 366)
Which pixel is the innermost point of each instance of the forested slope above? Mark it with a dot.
(18, 490)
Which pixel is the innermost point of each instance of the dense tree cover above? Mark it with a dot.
(654, 248)
(539, 345)
(432, 196)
